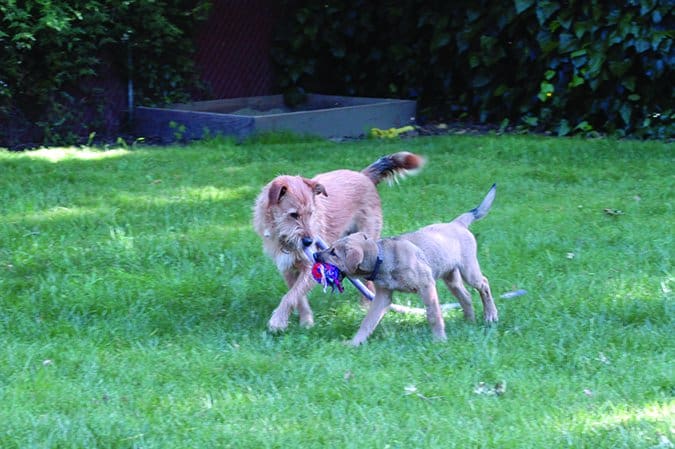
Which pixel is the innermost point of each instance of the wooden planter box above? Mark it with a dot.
(322, 115)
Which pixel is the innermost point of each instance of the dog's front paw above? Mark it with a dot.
(278, 322)
(355, 342)
(439, 336)
(307, 320)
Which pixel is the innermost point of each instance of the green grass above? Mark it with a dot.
(134, 296)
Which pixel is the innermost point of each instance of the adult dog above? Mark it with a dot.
(291, 212)
(412, 262)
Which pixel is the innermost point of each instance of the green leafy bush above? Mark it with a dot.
(574, 66)
(53, 55)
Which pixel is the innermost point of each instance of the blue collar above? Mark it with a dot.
(378, 262)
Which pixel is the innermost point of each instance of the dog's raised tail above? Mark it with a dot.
(478, 212)
(393, 166)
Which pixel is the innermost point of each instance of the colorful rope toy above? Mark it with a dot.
(327, 275)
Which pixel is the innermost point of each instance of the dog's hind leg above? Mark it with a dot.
(489, 309)
(376, 311)
(305, 312)
(302, 304)
(456, 286)
(473, 276)
(300, 283)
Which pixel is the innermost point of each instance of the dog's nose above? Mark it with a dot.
(317, 257)
(307, 241)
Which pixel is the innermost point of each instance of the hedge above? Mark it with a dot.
(566, 67)
(55, 57)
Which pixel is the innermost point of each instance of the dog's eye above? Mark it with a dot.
(332, 252)
(294, 215)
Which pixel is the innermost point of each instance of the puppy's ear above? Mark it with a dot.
(277, 190)
(317, 188)
(353, 258)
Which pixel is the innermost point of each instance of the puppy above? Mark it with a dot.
(291, 212)
(412, 263)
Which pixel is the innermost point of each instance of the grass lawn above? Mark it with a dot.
(134, 296)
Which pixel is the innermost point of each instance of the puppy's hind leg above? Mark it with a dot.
(473, 276)
(489, 309)
(456, 286)
(375, 313)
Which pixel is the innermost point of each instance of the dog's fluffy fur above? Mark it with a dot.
(291, 212)
(412, 262)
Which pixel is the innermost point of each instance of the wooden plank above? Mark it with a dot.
(322, 115)
(351, 121)
(166, 125)
(230, 105)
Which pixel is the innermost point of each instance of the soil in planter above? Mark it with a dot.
(285, 109)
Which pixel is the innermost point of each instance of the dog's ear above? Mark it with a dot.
(317, 188)
(277, 191)
(353, 258)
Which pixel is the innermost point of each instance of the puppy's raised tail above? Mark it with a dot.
(393, 166)
(478, 212)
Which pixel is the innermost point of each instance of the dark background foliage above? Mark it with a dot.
(54, 54)
(565, 66)
(562, 66)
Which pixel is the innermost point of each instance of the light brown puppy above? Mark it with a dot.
(292, 212)
(412, 263)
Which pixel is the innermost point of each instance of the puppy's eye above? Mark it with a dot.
(294, 215)
(332, 252)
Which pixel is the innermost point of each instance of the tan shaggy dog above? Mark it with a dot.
(292, 212)
(412, 262)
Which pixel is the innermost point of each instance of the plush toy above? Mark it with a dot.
(327, 275)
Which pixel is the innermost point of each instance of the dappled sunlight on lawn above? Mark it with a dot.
(212, 193)
(59, 154)
(654, 413)
(57, 213)
(187, 195)
(621, 424)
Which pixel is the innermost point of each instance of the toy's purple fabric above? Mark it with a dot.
(327, 275)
